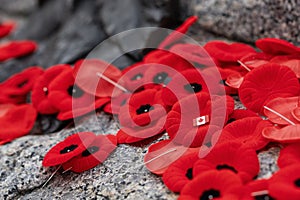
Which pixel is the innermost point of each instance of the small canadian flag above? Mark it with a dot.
(199, 121)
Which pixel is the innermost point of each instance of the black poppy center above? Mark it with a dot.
(20, 85)
(137, 77)
(297, 182)
(89, 151)
(189, 173)
(75, 91)
(263, 197)
(221, 167)
(160, 77)
(210, 194)
(193, 87)
(68, 149)
(144, 109)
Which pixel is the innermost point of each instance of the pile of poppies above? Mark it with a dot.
(185, 91)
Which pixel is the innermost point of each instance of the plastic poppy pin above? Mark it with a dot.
(15, 49)
(70, 99)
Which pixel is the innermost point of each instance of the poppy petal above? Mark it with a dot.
(285, 183)
(257, 88)
(85, 74)
(286, 134)
(94, 154)
(17, 121)
(276, 46)
(289, 155)
(285, 107)
(6, 28)
(240, 114)
(69, 148)
(254, 60)
(291, 61)
(221, 185)
(15, 49)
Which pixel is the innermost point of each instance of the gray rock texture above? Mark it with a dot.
(248, 20)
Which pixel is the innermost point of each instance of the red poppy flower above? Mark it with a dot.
(87, 76)
(240, 114)
(69, 99)
(213, 185)
(289, 155)
(285, 184)
(276, 46)
(250, 136)
(190, 82)
(69, 148)
(94, 154)
(17, 121)
(232, 156)
(284, 106)
(6, 28)
(286, 134)
(180, 172)
(15, 89)
(193, 53)
(15, 49)
(142, 108)
(178, 33)
(39, 95)
(225, 52)
(259, 189)
(291, 61)
(181, 126)
(257, 88)
(254, 60)
(162, 154)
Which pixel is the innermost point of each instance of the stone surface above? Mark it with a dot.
(248, 20)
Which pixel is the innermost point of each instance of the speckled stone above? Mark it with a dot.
(248, 20)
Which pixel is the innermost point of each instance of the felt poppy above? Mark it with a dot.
(178, 33)
(275, 46)
(259, 189)
(286, 134)
(251, 136)
(94, 154)
(162, 154)
(17, 121)
(71, 100)
(16, 88)
(188, 82)
(284, 106)
(142, 108)
(289, 155)
(15, 49)
(225, 52)
(254, 60)
(68, 148)
(291, 61)
(285, 184)
(232, 156)
(87, 74)
(257, 88)
(39, 95)
(6, 28)
(180, 172)
(240, 114)
(193, 53)
(4, 108)
(213, 185)
(183, 125)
